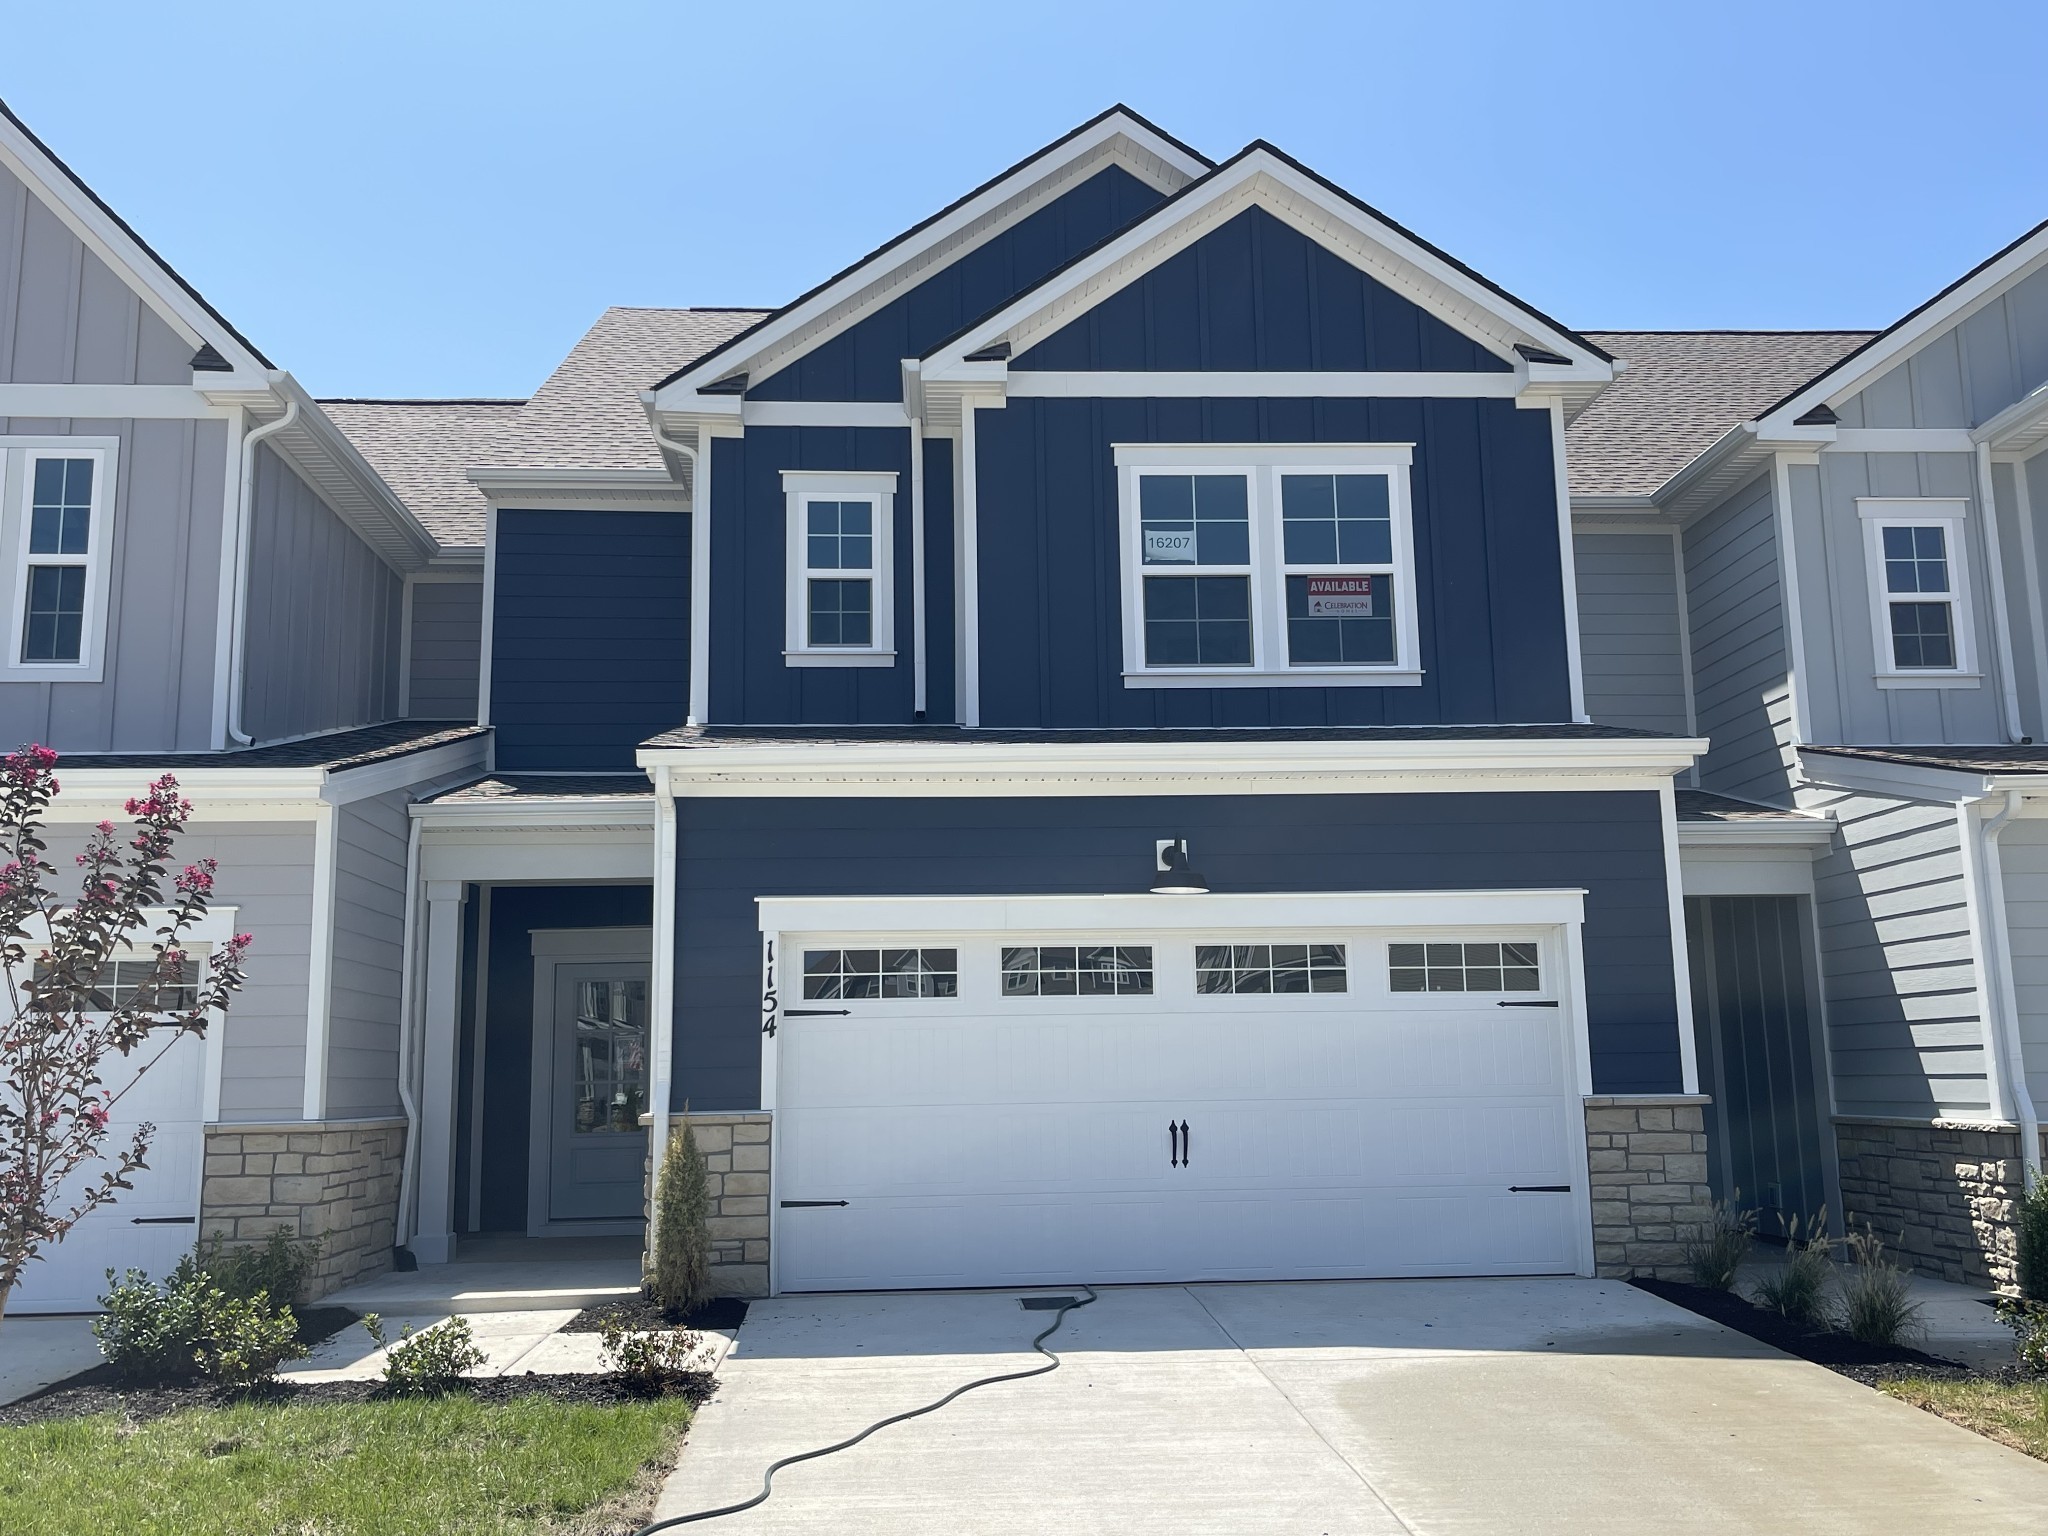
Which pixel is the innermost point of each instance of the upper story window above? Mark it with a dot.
(1919, 590)
(57, 527)
(1261, 565)
(839, 591)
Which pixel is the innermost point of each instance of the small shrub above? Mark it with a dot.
(681, 1276)
(429, 1362)
(1799, 1291)
(1877, 1303)
(651, 1363)
(278, 1268)
(190, 1328)
(2031, 1219)
(2029, 1322)
(1717, 1250)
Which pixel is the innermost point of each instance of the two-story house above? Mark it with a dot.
(1156, 727)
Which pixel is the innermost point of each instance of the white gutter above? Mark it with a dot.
(917, 668)
(408, 1014)
(2005, 1036)
(700, 567)
(238, 640)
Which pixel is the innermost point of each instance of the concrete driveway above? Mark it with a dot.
(1567, 1406)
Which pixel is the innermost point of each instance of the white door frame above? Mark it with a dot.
(876, 918)
(553, 947)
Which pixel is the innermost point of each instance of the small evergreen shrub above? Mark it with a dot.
(1877, 1302)
(2031, 1219)
(278, 1267)
(681, 1276)
(651, 1363)
(1798, 1292)
(1717, 1250)
(189, 1328)
(2029, 1322)
(429, 1362)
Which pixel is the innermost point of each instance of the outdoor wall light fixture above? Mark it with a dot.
(1176, 877)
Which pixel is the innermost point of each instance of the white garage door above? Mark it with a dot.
(153, 1225)
(1125, 1106)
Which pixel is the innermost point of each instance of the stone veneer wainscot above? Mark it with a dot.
(736, 1148)
(1940, 1194)
(1647, 1161)
(334, 1180)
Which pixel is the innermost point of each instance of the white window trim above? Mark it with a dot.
(1951, 515)
(1263, 464)
(18, 457)
(800, 487)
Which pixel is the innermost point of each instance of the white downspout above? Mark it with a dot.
(238, 646)
(700, 571)
(408, 1015)
(917, 620)
(2010, 1045)
(2001, 621)
(662, 991)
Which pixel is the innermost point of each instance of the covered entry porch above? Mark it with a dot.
(535, 1043)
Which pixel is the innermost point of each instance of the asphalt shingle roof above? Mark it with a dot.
(334, 751)
(1988, 759)
(1682, 390)
(587, 415)
(1704, 806)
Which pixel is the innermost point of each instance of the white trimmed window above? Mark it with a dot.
(57, 526)
(1262, 565)
(1919, 589)
(840, 589)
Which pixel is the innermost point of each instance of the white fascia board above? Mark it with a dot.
(103, 235)
(1147, 912)
(1178, 767)
(1256, 178)
(109, 402)
(259, 794)
(2019, 428)
(1807, 832)
(1906, 781)
(1221, 384)
(530, 812)
(467, 756)
(680, 394)
(1839, 383)
(498, 480)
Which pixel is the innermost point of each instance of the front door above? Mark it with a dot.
(600, 1091)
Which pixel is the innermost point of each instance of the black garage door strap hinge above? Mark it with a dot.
(163, 1221)
(1545, 1003)
(804, 1204)
(1539, 1189)
(815, 1013)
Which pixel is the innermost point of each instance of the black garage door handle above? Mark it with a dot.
(803, 1204)
(1547, 1003)
(1539, 1189)
(163, 1221)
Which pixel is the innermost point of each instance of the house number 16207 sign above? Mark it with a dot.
(1340, 597)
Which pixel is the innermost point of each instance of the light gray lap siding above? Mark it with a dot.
(1892, 908)
(1967, 374)
(323, 615)
(1741, 684)
(447, 642)
(1629, 632)
(2023, 855)
(369, 940)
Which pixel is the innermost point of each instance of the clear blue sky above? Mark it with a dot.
(437, 197)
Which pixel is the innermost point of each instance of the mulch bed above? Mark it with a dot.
(1837, 1351)
(640, 1313)
(77, 1397)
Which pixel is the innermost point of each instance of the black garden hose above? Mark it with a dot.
(768, 1477)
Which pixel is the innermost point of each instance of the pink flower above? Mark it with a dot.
(196, 878)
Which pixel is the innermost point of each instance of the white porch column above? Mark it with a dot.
(434, 1242)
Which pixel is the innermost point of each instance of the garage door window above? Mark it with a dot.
(1087, 970)
(1266, 968)
(859, 973)
(1463, 968)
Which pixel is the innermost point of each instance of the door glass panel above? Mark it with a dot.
(610, 1063)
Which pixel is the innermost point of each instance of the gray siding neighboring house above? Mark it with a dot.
(1968, 373)
(2023, 855)
(1740, 665)
(1630, 631)
(445, 649)
(368, 957)
(323, 642)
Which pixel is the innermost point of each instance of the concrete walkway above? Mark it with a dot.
(37, 1352)
(1543, 1406)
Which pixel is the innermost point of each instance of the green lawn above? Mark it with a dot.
(2016, 1415)
(450, 1465)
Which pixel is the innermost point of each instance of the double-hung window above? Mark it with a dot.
(839, 592)
(58, 495)
(1267, 565)
(1919, 590)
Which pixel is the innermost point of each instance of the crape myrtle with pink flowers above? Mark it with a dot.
(61, 1027)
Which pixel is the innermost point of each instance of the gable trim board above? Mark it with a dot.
(1262, 176)
(1118, 135)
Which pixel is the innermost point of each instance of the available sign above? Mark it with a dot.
(1340, 597)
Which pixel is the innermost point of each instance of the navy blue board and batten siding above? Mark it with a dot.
(590, 636)
(731, 851)
(865, 361)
